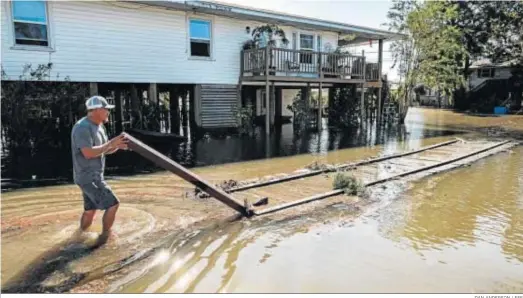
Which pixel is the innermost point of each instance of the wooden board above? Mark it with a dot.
(170, 165)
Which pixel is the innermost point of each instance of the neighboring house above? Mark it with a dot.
(156, 45)
(484, 70)
(434, 98)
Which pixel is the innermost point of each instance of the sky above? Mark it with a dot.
(371, 13)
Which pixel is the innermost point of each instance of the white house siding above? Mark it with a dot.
(500, 73)
(105, 42)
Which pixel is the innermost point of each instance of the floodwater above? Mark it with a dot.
(460, 231)
(47, 166)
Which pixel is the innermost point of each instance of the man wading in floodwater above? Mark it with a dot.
(89, 146)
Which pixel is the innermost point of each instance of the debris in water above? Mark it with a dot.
(260, 202)
(319, 166)
(350, 184)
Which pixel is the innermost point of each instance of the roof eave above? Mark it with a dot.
(273, 17)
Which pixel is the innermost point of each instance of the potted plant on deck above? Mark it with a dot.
(261, 37)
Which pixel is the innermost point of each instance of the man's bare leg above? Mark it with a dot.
(87, 219)
(108, 221)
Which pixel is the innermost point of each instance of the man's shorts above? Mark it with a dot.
(98, 195)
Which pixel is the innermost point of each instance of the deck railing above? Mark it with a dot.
(287, 62)
(372, 71)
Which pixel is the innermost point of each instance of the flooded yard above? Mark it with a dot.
(461, 231)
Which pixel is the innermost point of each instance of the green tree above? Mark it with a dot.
(438, 44)
(404, 52)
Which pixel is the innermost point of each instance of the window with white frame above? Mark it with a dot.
(306, 44)
(200, 34)
(30, 22)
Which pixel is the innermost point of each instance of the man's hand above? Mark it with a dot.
(117, 143)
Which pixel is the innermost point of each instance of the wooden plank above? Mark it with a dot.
(168, 164)
(341, 191)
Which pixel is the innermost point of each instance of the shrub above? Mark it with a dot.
(350, 184)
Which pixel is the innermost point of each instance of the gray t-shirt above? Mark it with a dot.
(87, 134)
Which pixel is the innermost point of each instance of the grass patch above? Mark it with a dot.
(350, 184)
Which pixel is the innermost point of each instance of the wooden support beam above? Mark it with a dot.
(267, 95)
(380, 66)
(332, 91)
(184, 108)
(362, 101)
(308, 105)
(278, 106)
(192, 110)
(93, 89)
(273, 104)
(319, 107)
(170, 165)
(135, 107)
(152, 95)
(118, 110)
(174, 109)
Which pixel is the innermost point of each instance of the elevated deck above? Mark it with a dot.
(287, 65)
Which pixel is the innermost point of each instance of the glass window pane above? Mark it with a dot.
(200, 29)
(32, 11)
(200, 49)
(306, 41)
(30, 31)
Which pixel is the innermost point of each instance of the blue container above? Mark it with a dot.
(500, 110)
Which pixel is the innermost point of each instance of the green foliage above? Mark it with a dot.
(270, 32)
(344, 108)
(349, 184)
(37, 112)
(404, 52)
(438, 44)
(301, 113)
(245, 117)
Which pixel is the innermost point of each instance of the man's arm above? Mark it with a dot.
(93, 152)
(83, 140)
(111, 151)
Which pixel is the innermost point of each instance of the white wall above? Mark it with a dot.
(500, 73)
(118, 42)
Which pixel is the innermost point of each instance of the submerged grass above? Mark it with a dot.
(350, 184)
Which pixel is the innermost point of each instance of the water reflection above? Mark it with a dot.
(52, 165)
(483, 205)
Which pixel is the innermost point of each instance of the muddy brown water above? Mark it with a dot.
(461, 231)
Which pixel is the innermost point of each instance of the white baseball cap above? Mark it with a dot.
(97, 102)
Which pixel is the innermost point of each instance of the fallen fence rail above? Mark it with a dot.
(337, 168)
(341, 191)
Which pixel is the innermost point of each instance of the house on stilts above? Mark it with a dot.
(190, 51)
